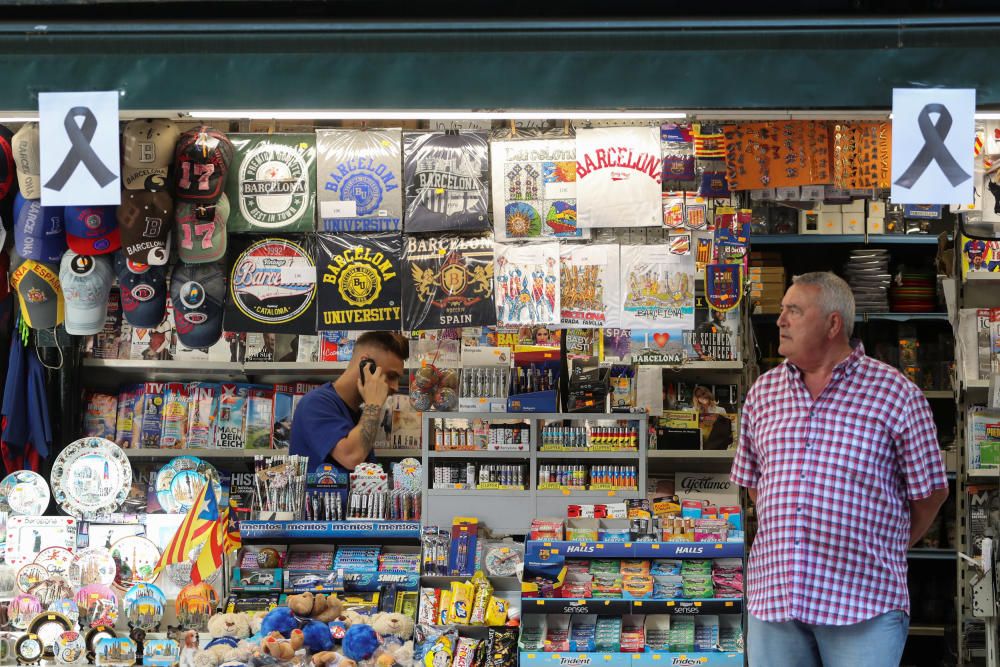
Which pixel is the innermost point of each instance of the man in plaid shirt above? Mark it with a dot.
(839, 453)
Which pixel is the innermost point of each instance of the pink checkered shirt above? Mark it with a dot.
(833, 479)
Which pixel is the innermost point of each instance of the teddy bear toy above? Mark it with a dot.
(281, 649)
(227, 645)
(396, 632)
(309, 613)
(331, 659)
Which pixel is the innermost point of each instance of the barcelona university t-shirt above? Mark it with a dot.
(321, 420)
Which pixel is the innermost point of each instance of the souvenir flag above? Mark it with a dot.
(618, 176)
(234, 540)
(212, 552)
(200, 521)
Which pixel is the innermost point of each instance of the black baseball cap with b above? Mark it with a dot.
(198, 292)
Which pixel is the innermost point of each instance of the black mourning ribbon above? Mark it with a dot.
(933, 149)
(80, 137)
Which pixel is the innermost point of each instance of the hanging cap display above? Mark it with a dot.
(202, 162)
(39, 293)
(147, 152)
(201, 231)
(86, 283)
(198, 292)
(28, 160)
(92, 230)
(38, 231)
(143, 291)
(146, 219)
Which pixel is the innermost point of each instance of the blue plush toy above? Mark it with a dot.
(281, 619)
(360, 642)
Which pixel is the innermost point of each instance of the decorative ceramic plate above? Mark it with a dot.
(144, 613)
(143, 590)
(48, 626)
(27, 536)
(22, 609)
(24, 492)
(28, 649)
(96, 634)
(181, 480)
(69, 648)
(93, 566)
(98, 605)
(91, 476)
(29, 575)
(67, 608)
(136, 558)
(56, 560)
(51, 589)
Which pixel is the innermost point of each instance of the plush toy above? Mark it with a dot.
(393, 624)
(361, 642)
(283, 649)
(331, 659)
(309, 613)
(227, 631)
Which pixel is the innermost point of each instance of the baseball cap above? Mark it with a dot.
(143, 291)
(197, 292)
(146, 220)
(202, 231)
(92, 230)
(28, 160)
(147, 151)
(39, 293)
(86, 283)
(38, 231)
(202, 161)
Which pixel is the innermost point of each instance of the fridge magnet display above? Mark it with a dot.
(272, 286)
(359, 285)
(136, 558)
(93, 566)
(588, 276)
(180, 482)
(534, 190)
(448, 282)
(68, 647)
(776, 154)
(527, 284)
(270, 185)
(618, 175)
(24, 492)
(358, 180)
(91, 476)
(447, 181)
(659, 288)
(862, 155)
(28, 535)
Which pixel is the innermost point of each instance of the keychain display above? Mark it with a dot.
(431, 387)
(181, 480)
(527, 284)
(91, 476)
(24, 493)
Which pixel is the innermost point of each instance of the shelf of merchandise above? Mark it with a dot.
(631, 454)
(640, 549)
(329, 530)
(932, 554)
(983, 474)
(395, 453)
(836, 239)
(939, 393)
(692, 454)
(650, 659)
(617, 607)
(443, 581)
(206, 454)
(439, 505)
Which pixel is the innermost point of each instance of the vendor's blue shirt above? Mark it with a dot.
(321, 420)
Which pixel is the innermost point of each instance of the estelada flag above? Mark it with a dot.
(197, 527)
(220, 542)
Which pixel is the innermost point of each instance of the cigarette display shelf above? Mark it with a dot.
(439, 505)
(262, 531)
(838, 239)
(650, 659)
(617, 607)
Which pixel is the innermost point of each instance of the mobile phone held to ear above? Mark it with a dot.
(367, 364)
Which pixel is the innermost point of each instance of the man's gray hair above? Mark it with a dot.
(835, 295)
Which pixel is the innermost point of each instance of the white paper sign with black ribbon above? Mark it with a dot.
(79, 144)
(933, 132)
